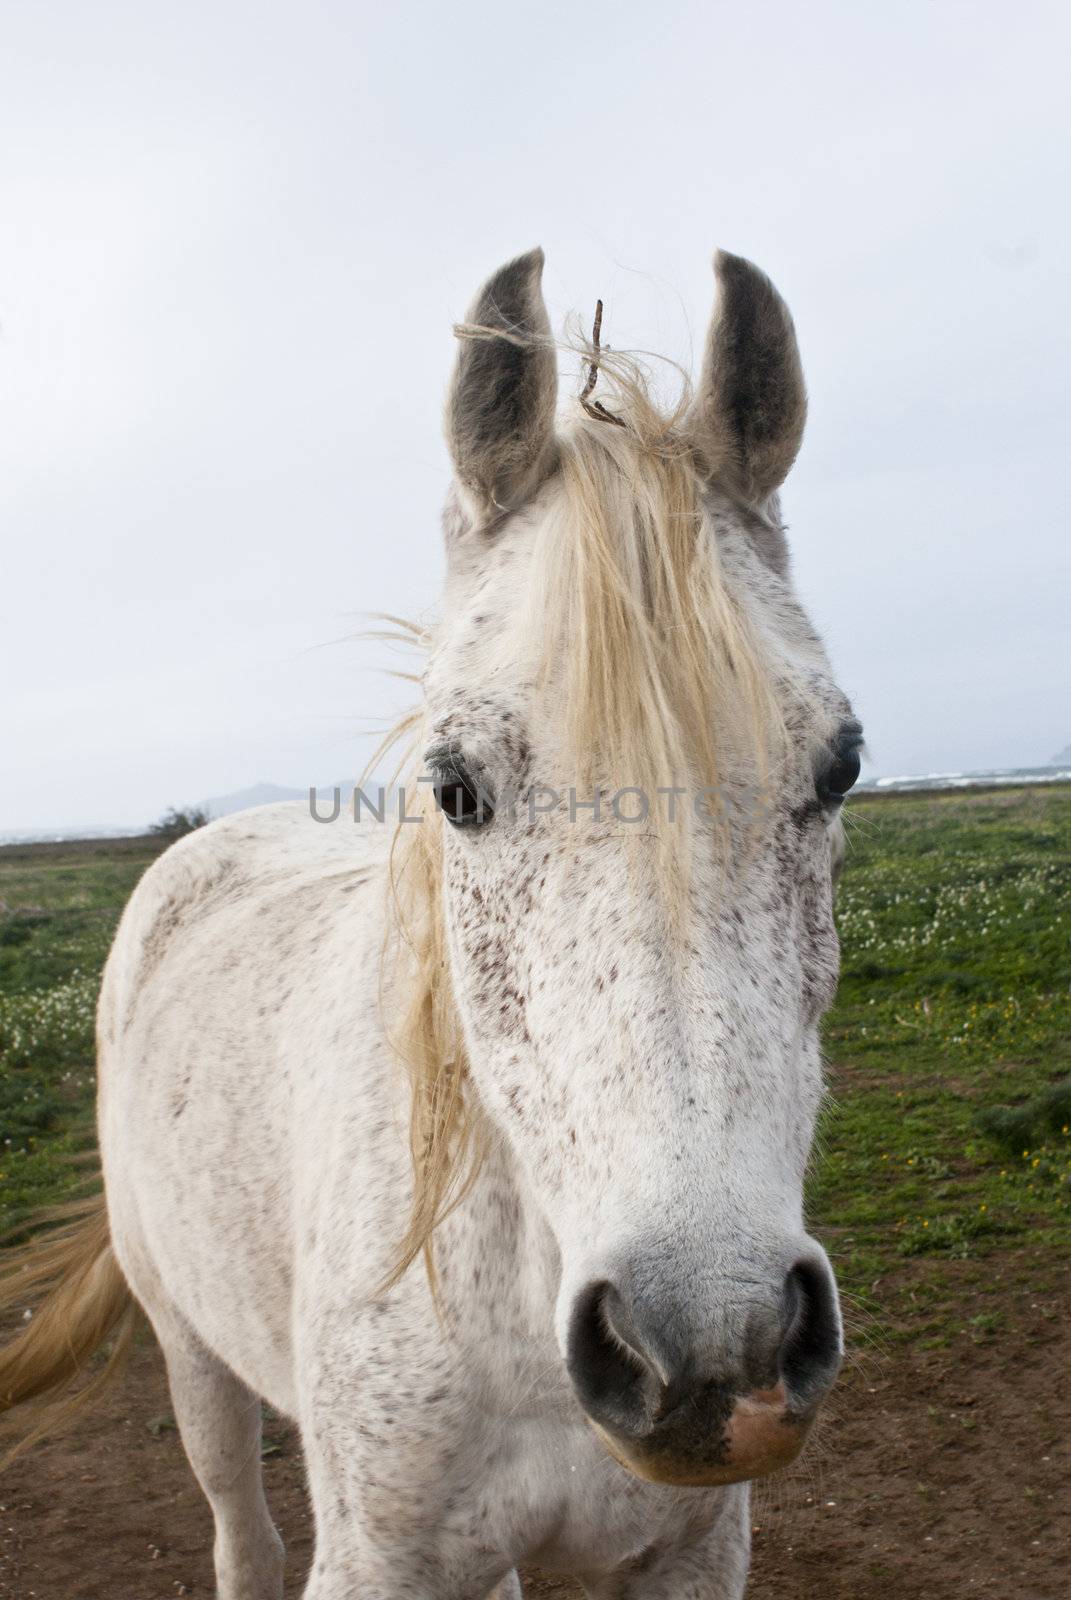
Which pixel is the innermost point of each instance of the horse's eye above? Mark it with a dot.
(842, 768)
(462, 801)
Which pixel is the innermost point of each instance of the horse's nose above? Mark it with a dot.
(689, 1410)
(809, 1355)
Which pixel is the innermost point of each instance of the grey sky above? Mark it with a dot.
(233, 238)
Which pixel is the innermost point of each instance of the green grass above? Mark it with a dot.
(59, 906)
(951, 1035)
(950, 1042)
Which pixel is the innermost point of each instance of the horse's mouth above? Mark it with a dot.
(761, 1435)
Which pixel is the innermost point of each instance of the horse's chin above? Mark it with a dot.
(761, 1436)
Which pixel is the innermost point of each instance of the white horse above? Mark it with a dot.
(608, 1007)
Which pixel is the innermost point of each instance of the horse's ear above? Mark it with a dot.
(752, 404)
(500, 410)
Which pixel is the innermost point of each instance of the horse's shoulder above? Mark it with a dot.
(244, 861)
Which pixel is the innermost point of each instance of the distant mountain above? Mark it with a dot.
(258, 794)
(1062, 758)
(219, 805)
(268, 794)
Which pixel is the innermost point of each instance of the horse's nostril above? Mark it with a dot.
(811, 1349)
(618, 1380)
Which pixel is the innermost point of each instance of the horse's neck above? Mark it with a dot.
(497, 1249)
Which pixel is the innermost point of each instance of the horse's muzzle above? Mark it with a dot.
(668, 1409)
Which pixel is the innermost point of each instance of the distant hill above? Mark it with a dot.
(258, 794)
(218, 805)
(1062, 758)
(267, 794)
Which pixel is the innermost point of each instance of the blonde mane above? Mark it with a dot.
(664, 684)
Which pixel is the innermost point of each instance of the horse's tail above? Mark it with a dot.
(72, 1295)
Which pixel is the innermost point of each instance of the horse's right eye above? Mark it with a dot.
(461, 799)
(842, 769)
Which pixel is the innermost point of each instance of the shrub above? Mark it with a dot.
(1020, 1127)
(175, 823)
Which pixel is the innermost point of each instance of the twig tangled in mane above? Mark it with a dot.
(595, 408)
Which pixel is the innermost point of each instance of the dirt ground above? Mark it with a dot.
(945, 1470)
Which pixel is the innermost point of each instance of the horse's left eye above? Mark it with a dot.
(462, 801)
(842, 769)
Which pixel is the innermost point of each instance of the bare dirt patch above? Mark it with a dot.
(945, 1470)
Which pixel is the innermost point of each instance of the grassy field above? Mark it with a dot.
(946, 1133)
(946, 1137)
(59, 906)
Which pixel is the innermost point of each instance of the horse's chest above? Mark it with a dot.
(563, 1504)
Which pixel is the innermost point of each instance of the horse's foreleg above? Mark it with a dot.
(219, 1421)
(711, 1566)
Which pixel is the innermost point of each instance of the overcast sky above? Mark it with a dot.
(233, 238)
